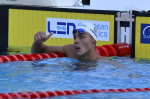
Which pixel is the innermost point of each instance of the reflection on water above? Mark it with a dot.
(74, 64)
(116, 67)
(83, 66)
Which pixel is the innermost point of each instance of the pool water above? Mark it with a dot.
(71, 74)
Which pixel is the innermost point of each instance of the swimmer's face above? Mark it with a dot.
(83, 43)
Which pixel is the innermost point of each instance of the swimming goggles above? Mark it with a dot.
(78, 30)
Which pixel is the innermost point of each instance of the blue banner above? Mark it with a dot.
(145, 33)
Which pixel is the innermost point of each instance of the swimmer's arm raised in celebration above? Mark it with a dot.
(39, 47)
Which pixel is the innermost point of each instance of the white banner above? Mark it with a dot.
(62, 28)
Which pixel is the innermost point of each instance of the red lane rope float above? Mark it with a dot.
(97, 50)
(21, 57)
(13, 58)
(40, 94)
(103, 51)
(36, 56)
(111, 50)
(122, 49)
(29, 57)
(119, 49)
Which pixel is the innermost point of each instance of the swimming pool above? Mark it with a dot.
(70, 74)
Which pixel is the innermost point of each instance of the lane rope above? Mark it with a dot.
(41, 94)
(29, 57)
(120, 49)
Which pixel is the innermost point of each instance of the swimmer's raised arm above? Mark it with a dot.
(39, 47)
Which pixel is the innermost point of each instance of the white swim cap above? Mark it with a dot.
(89, 28)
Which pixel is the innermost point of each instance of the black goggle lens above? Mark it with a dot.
(78, 30)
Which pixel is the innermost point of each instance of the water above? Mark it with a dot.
(70, 74)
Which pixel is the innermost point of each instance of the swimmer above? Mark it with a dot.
(83, 49)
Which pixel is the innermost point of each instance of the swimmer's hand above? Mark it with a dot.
(42, 37)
